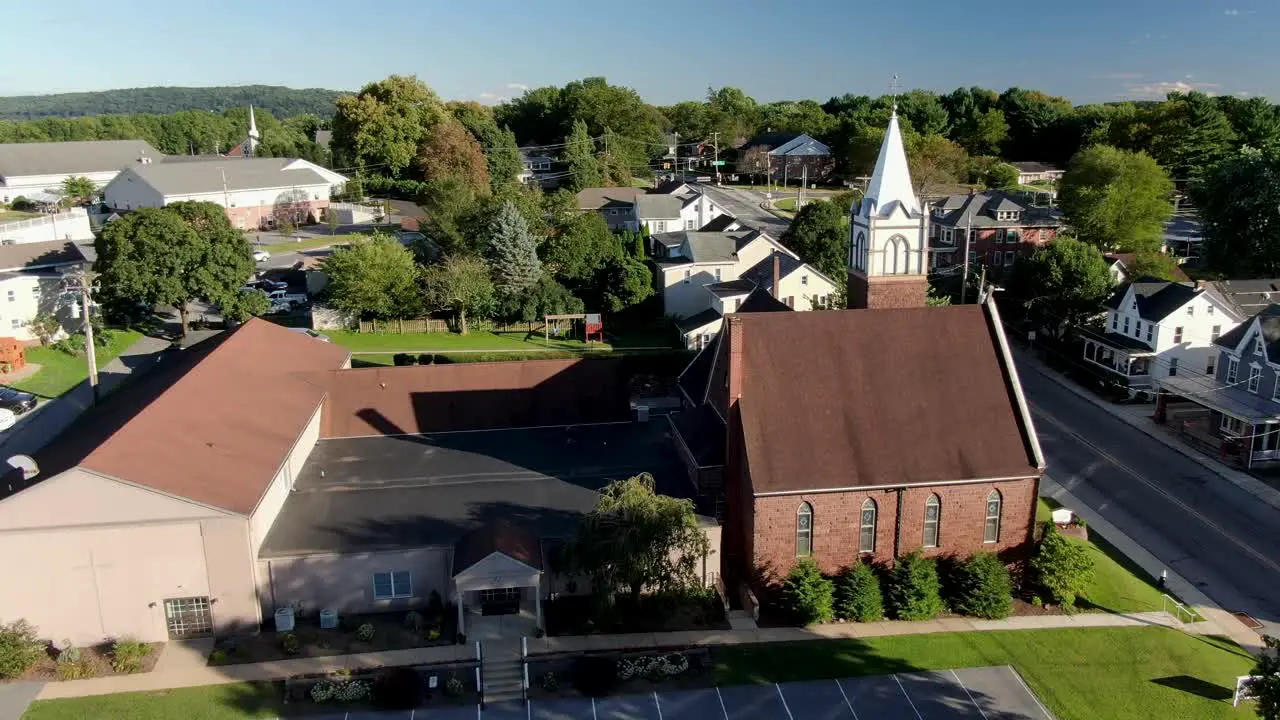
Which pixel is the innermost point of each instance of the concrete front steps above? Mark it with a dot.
(502, 671)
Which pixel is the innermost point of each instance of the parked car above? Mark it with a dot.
(7, 419)
(16, 400)
(261, 256)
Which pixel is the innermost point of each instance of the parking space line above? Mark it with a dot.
(593, 709)
(846, 700)
(723, 709)
(657, 704)
(783, 698)
(1034, 699)
(528, 707)
(908, 697)
(969, 694)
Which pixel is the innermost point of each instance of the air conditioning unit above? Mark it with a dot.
(328, 619)
(284, 619)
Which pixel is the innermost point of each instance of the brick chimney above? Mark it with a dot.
(777, 274)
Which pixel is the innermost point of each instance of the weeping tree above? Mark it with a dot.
(636, 540)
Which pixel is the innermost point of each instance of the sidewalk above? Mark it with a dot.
(1139, 416)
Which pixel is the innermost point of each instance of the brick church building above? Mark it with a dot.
(870, 432)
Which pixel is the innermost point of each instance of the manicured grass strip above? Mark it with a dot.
(309, 243)
(11, 215)
(443, 341)
(1118, 585)
(59, 372)
(1080, 674)
(214, 702)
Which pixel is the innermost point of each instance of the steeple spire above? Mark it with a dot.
(891, 180)
(253, 134)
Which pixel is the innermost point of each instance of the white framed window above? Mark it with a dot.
(1232, 426)
(394, 584)
(1008, 258)
(1215, 333)
(1000, 236)
(1257, 341)
(12, 296)
(867, 527)
(1233, 370)
(717, 274)
(804, 530)
(1209, 365)
(1173, 367)
(15, 323)
(659, 225)
(991, 527)
(500, 595)
(932, 518)
(1137, 330)
(1275, 389)
(804, 279)
(1126, 324)
(688, 224)
(35, 289)
(1115, 321)
(1209, 309)
(1255, 378)
(1177, 334)
(1191, 311)
(997, 259)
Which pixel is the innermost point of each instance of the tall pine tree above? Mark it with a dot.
(512, 252)
(580, 155)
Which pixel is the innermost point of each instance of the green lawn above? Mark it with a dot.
(215, 702)
(59, 372)
(359, 342)
(1083, 674)
(309, 243)
(1118, 584)
(6, 215)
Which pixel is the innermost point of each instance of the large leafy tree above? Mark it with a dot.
(733, 114)
(374, 279)
(1116, 199)
(924, 110)
(804, 116)
(1062, 283)
(501, 154)
(579, 154)
(546, 297)
(156, 256)
(603, 107)
(537, 116)
(578, 247)
(512, 252)
(1034, 120)
(383, 126)
(1189, 133)
(460, 284)
(636, 538)
(689, 118)
(820, 237)
(935, 161)
(448, 150)
(1239, 204)
(78, 189)
(620, 283)
(1255, 121)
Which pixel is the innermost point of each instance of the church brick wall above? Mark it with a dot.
(887, 291)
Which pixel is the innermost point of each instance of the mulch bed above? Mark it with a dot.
(96, 660)
(578, 615)
(389, 633)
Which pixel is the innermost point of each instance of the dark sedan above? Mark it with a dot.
(16, 400)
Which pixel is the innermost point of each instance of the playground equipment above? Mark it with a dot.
(566, 326)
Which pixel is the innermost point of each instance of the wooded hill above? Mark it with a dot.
(279, 101)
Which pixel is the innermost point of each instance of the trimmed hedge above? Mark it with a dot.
(983, 587)
(914, 588)
(808, 595)
(858, 595)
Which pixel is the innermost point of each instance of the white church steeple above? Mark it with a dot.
(252, 145)
(888, 234)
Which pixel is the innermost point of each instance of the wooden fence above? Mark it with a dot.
(426, 325)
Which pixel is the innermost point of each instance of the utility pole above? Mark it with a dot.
(77, 281)
(800, 190)
(982, 285)
(715, 145)
(964, 278)
(675, 156)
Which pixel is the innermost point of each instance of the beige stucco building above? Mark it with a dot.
(257, 470)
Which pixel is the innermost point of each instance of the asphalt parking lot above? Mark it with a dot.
(988, 693)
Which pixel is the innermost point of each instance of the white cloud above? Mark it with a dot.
(493, 98)
(1243, 93)
(517, 86)
(1233, 12)
(1157, 90)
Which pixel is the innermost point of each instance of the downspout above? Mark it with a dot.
(897, 527)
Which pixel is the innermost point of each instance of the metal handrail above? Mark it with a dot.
(480, 673)
(1164, 606)
(524, 665)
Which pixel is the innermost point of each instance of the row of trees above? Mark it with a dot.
(181, 133)
(915, 588)
(275, 99)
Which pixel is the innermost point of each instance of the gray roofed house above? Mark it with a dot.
(1157, 299)
(39, 255)
(991, 209)
(603, 198)
(72, 158)
(1250, 296)
(690, 246)
(657, 207)
(721, 223)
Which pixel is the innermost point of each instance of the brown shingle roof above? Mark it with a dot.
(853, 398)
(514, 541)
(220, 433)
(474, 396)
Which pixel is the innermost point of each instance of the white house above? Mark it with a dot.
(31, 284)
(659, 213)
(1160, 329)
(254, 191)
(1029, 172)
(616, 205)
(28, 169)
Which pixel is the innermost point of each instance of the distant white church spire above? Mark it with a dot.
(253, 134)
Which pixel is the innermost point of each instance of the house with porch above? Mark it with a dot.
(1154, 329)
(1233, 409)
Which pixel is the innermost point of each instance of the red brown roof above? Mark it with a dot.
(852, 398)
(514, 541)
(474, 396)
(219, 434)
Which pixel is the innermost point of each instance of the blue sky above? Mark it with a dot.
(1087, 50)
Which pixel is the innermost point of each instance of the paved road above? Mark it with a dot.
(1205, 528)
(745, 206)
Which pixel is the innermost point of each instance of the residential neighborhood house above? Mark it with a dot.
(1153, 329)
(31, 284)
(788, 157)
(1000, 228)
(32, 170)
(1030, 172)
(1233, 409)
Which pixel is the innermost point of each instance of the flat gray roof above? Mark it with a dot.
(63, 158)
(381, 493)
(207, 176)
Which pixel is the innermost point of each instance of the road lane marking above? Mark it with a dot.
(784, 701)
(908, 697)
(966, 692)
(1137, 476)
(846, 700)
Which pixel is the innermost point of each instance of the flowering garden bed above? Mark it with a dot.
(635, 671)
(354, 634)
(400, 688)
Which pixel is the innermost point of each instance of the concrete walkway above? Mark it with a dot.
(1140, 417)
(171, 675)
